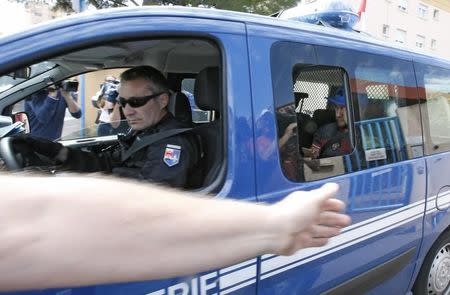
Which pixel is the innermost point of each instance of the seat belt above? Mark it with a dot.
(142, 142)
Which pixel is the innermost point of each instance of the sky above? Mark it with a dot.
(13, 17)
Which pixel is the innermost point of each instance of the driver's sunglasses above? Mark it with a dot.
(136, 102)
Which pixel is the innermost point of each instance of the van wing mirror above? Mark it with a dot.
(15, 124)
(23, 118)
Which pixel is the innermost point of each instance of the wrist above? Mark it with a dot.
(276, 228)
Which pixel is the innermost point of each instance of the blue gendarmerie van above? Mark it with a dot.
(269, 90)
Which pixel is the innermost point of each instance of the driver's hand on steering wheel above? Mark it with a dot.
(47, 148)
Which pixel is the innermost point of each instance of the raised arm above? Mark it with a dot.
(65, 231)
(72, 104)
(114, 116)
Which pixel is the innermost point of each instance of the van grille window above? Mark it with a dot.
(304, 124)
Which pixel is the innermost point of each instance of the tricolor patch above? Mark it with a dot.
(172, 155)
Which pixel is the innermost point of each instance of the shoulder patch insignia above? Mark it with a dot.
(172, 155)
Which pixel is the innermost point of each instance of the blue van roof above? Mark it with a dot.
(213, 14)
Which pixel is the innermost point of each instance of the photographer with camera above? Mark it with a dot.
(46, 109)
(109, 116)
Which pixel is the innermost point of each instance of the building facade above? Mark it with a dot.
(418, 25)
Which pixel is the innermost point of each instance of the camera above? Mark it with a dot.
(66, 85)
(69, 86)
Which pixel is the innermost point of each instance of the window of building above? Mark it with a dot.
(385, 30)
(433, 44)
(400, 36)
(422, 10)
(403, 5)
(420, 41)
(435, 14)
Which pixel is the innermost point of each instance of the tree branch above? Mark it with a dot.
(120, 2)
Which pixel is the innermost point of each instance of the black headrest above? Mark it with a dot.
(180, 107)
(322, 117)
(207, 89)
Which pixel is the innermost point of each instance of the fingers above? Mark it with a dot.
(326, 191)
(333, 205)
(323, 231)
(309, 219)
(317, 242)
(305, 240)
(292, 126)
(314, 236)
(334, 219)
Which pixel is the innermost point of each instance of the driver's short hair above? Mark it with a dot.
(159, 82)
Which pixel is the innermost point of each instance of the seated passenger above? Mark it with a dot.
(333, 139)
(143, 97)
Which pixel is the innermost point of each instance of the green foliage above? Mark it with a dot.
(64, 5)
(254, 6)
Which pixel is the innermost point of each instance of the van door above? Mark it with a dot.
(378, 166)
(434, 91)
(235, 179)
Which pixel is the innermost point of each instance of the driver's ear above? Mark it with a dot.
(163, 100)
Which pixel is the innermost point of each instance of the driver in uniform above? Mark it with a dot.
(143, 97)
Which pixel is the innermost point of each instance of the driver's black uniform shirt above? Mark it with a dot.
(173, 160)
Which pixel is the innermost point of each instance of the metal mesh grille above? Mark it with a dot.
(379, 102)
(317, 83)
(377, 92)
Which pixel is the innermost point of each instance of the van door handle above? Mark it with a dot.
(443, 198)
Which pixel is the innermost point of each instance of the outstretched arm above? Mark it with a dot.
(65, 231)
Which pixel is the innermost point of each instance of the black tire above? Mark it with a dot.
(434, 275)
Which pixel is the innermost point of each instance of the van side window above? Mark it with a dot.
(436, 110)
(382, 113)
(387, 119)
(314, 130)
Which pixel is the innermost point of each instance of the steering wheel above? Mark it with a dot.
(9, 157)
(19, 154)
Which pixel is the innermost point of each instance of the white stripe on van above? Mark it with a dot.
(239, 276)
(239, 265)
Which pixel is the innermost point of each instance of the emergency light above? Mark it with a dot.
(330, 13)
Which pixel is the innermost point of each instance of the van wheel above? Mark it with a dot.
(434, 276)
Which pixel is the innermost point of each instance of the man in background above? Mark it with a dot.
(46, 110)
